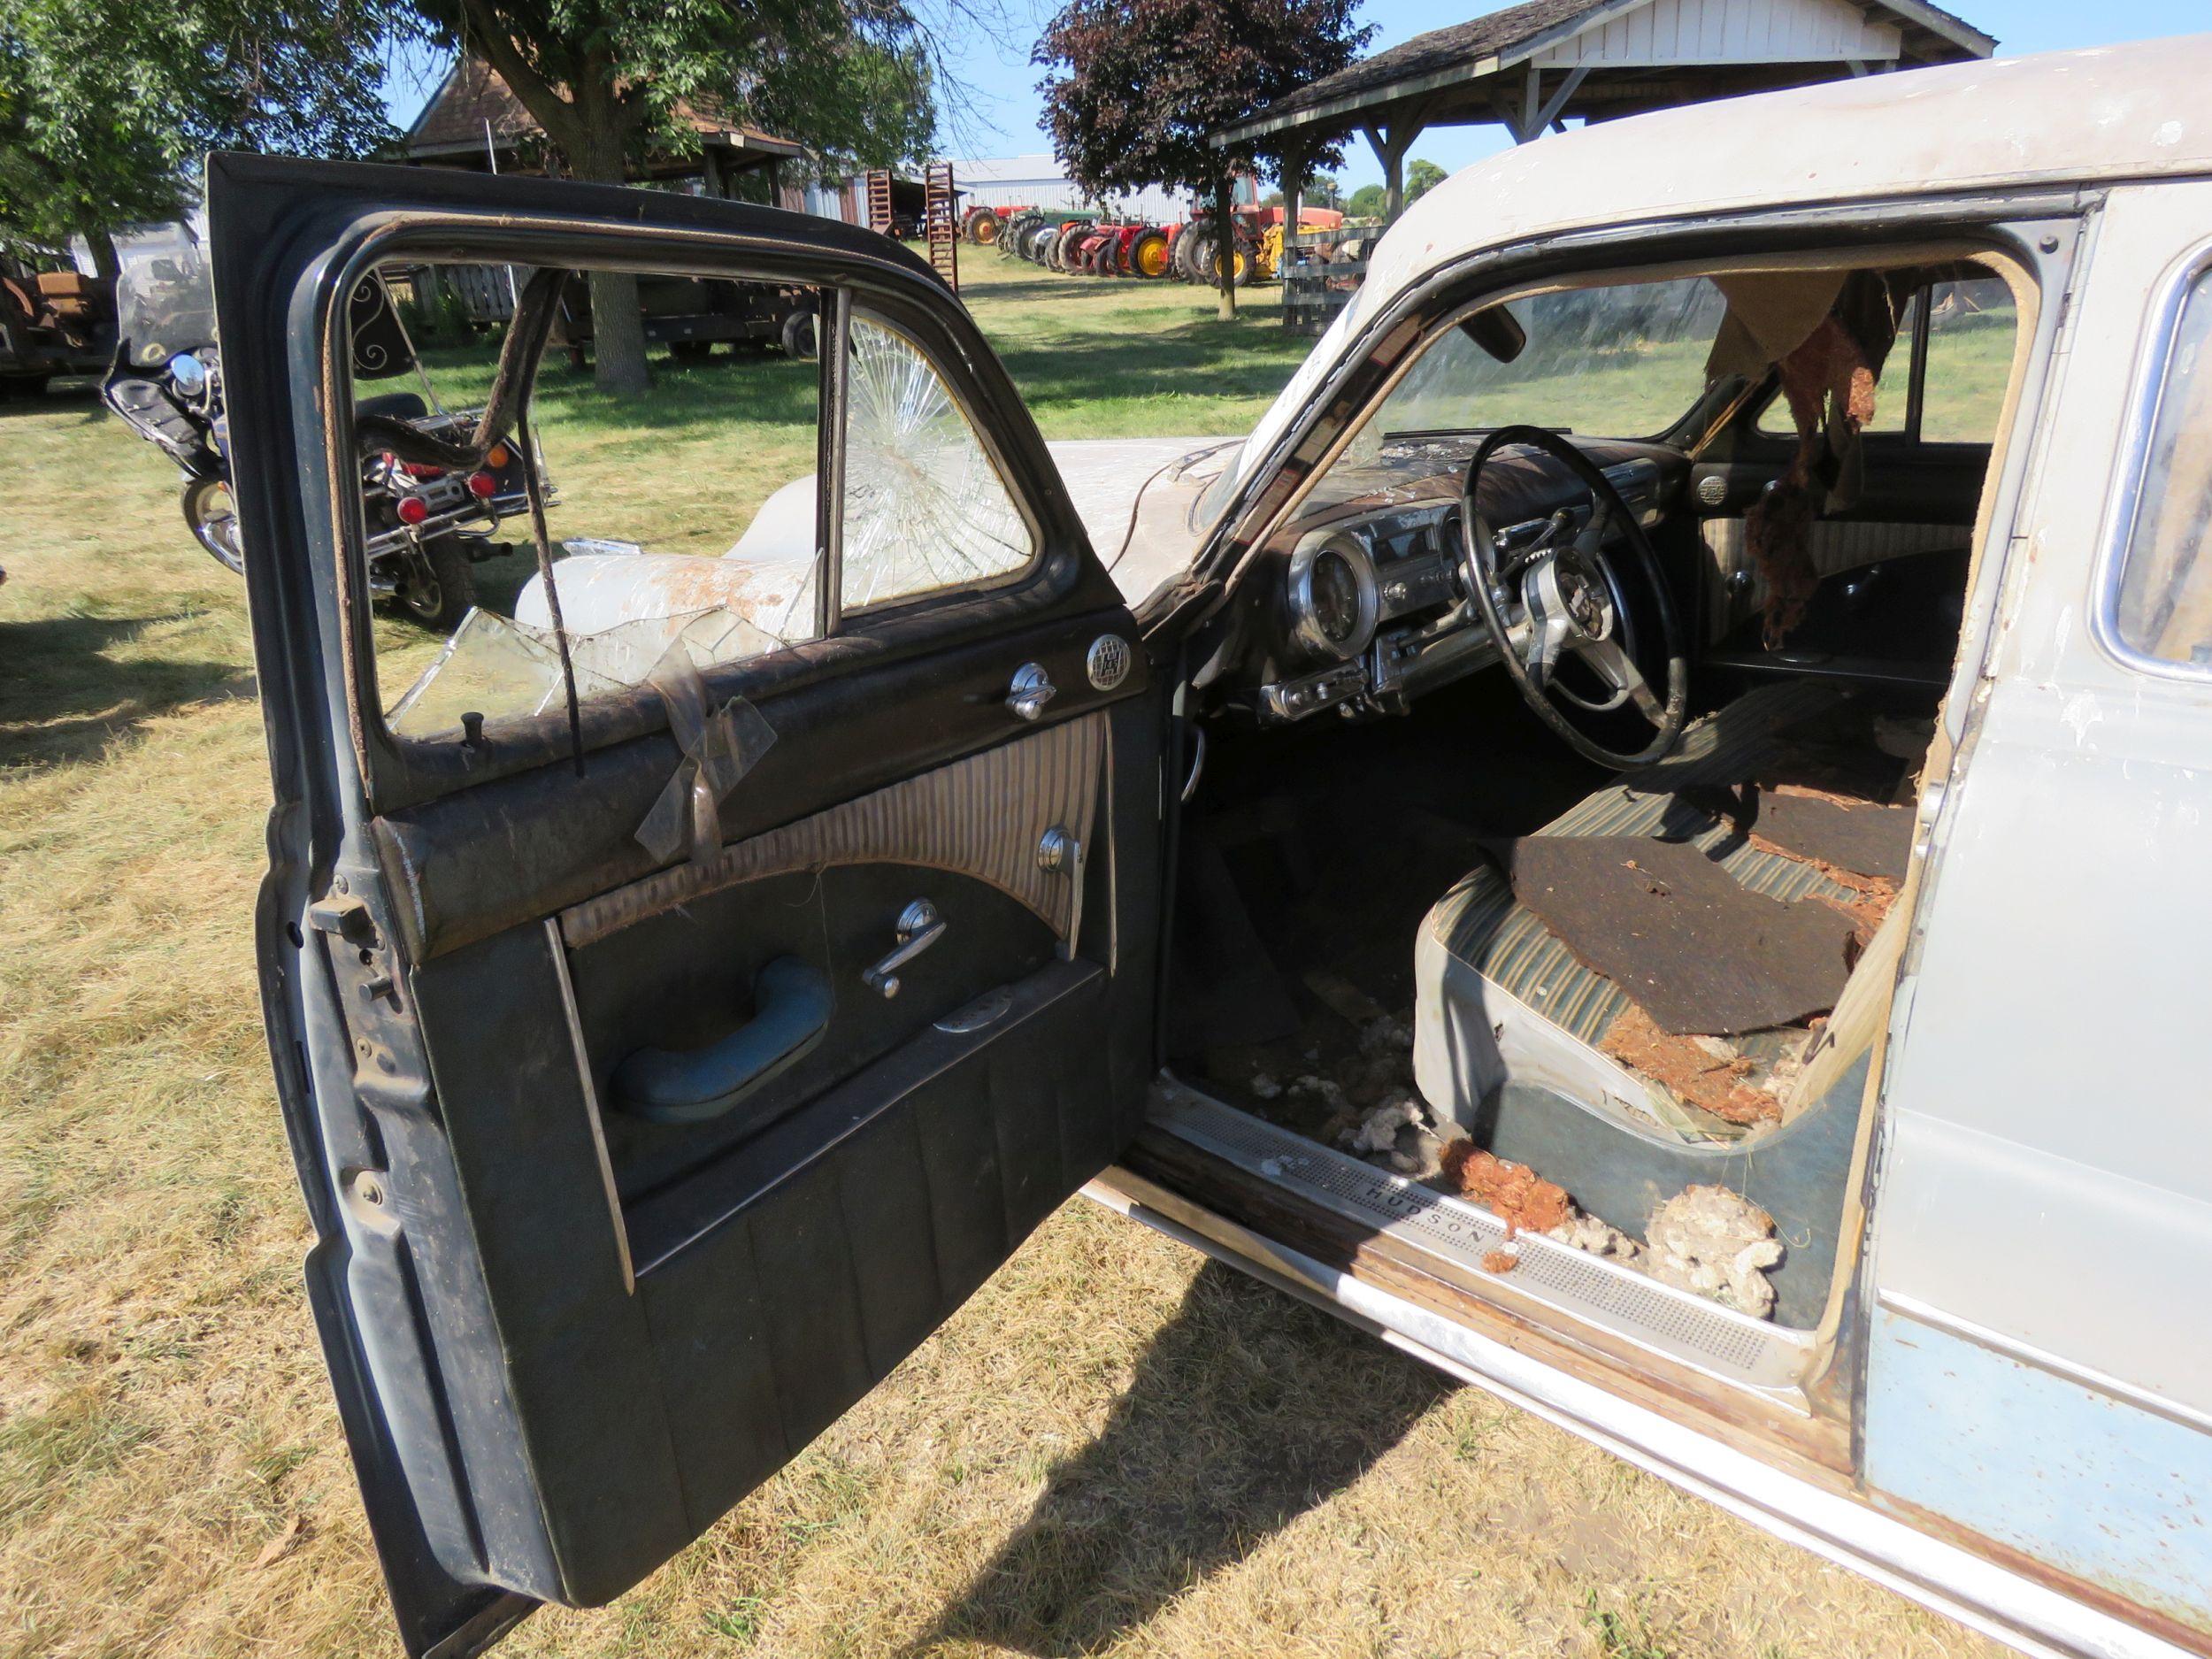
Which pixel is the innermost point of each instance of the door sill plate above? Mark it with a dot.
(1573, 1284)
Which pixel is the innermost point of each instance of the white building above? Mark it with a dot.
(1040, 180)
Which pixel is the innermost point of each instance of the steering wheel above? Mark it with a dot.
(1560, 596)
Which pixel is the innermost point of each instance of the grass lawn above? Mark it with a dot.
(1111, 1449)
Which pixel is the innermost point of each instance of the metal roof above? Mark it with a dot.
(1444, 68)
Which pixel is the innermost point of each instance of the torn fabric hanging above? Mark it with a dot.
(1827, 338)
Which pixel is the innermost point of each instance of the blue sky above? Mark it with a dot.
(1002, 118)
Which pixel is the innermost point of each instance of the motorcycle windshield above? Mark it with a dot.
(164, 304)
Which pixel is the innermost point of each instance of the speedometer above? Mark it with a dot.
(1333, 604)
(1335, 597)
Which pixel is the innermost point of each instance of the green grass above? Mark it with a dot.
(1112, 1449)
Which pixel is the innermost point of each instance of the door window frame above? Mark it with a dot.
(1916, 341)
(399, 771)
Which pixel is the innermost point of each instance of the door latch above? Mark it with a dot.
(1032, 689)
(919, 926)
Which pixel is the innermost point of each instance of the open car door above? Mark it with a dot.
(663, 1065)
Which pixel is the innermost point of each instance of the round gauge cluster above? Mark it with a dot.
(1334, 604)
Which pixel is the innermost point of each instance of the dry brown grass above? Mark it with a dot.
(1112, 1449)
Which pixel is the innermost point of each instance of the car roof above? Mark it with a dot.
(2106, 112)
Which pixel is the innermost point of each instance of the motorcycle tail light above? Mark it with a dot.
(483, 486)
(412, 509)
(499, 456)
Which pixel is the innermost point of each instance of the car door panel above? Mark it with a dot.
(469, 862)
(825, 890)
(566, 1336)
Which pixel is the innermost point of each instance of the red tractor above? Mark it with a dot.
(981, 224)
(1257, 250)
(1132, 249)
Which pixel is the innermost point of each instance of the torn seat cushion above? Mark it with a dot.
(1701, 954)
(1479, 923)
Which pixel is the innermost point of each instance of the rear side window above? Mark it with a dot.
(2165, 599)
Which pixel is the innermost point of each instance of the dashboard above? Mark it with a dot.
(1375, 607)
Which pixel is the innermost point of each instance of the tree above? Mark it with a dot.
(1421, 178)
(1134, 89)
(1367, 202)
(1325, 189)
(609, 79)
(107, 105)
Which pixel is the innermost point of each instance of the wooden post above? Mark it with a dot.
(1390, 146)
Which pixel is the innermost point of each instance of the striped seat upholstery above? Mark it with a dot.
(1479, 922)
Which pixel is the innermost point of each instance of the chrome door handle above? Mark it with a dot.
(1032, 689)
(919, 928)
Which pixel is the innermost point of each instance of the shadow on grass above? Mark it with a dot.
(1248, 1410)
(63, 698)
(82, 396)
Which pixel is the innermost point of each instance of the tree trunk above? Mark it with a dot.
(618, 335)
(1225, 251)
(618, 328)
(106, 264)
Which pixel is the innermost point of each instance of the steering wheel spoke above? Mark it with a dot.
(1575, 603)
(1622, 679)
(1547, 630)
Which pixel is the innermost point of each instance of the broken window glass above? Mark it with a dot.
(500, 667)
(684, 516)
(925, 509)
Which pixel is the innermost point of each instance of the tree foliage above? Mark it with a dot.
(1136, 89)
(107, 105)
(1421, 178)
(611, 81)
(1367, 202)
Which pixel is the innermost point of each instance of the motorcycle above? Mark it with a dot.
(427, 523)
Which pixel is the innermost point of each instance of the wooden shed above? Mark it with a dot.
(474, 121)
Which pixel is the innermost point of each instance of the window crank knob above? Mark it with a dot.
(1032, 689)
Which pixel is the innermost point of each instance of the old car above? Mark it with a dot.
(1642, 837)
(57, 321)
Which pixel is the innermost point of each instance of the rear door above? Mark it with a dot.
(660, 1073)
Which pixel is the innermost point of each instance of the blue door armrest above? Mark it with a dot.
(791, 1010)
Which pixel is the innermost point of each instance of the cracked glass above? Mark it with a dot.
(925, 507)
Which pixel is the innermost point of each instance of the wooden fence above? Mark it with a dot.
(1319, 279)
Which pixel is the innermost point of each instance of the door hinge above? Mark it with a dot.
(345, 918)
